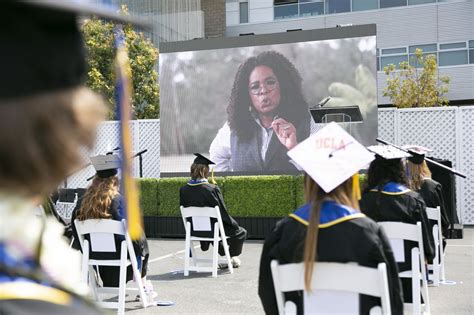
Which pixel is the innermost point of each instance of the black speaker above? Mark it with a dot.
(447, 180)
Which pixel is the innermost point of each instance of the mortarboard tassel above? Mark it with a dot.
(123, 95)
(356, 186)
(213, 181)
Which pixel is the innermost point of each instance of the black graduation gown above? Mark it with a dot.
(110, 274)
(355, 238)
(432, 193)
(204, 194)
(397, 203)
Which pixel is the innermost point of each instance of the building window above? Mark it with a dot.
(453, 54)
(244, 12)
(429, 49)
(338, 6)
(471, 51)
(311, 7)
(392, 3)
(285, 9)
(393, 56)
(362, 5)
(415, 2)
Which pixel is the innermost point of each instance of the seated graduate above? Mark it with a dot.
(103, 200)
(329, 227)
(419, 177)
(198, 192)
(388, 198)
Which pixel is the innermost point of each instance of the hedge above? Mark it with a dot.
(245, 196)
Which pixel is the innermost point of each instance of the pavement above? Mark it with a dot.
(237, 293)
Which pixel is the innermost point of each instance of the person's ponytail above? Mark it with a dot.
(311, 243)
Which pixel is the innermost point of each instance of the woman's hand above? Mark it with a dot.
(286, 132)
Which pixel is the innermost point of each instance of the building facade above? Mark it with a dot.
(444, 28)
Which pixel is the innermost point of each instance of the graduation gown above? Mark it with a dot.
(110, 274)
(25, 289)
(432, 193)
(395, 202)
(345, 235)
(200, 193)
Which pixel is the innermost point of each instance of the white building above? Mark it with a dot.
(445, 28)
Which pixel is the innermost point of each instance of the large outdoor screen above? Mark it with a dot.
(245, 101)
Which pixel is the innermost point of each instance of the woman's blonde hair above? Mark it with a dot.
(417, 173)
(98, 198)
(41, 137)
(343, 194)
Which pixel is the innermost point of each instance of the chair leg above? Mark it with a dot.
(227, 255)
(215, 253)
(187, 245)
(122, 278)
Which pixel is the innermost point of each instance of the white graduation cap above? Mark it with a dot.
(388, 152)
(330, 156)
(106, 165)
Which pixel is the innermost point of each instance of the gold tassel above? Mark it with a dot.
(213, 181)
(356, 186)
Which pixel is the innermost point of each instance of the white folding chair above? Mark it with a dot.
(397, 233)
(201, 222)
(436, 269)
(335, 287)
(101, 235)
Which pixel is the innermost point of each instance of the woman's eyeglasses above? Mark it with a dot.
(256, 88)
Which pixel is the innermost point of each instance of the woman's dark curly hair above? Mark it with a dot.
(293, 106)
(382, 171)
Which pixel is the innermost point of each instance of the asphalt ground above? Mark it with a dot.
(236, 293)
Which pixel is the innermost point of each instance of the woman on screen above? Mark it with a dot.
(267, 116)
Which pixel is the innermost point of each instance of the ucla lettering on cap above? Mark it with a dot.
(330, 156)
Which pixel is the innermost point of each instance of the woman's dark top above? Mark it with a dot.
(345, 235)
(246, 153)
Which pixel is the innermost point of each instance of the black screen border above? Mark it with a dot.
(269, 39)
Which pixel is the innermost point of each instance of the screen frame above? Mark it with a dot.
(200, 44)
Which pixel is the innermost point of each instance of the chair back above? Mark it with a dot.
(200, 217)
(101, 233)
(398, 232)
(335, 286)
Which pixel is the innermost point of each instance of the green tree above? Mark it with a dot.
(416, 85)
(99, 39)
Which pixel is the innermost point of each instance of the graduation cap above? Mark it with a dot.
(42, 48)
(417, 153)
(387, 152)
(330, 156)
(201, 159)
(106, 165)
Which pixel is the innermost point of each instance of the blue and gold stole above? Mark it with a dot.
(392, 188)
(197, 182)
(332, 213)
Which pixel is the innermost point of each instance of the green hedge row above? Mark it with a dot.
(245, 196)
